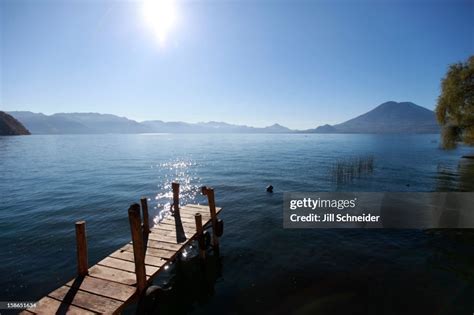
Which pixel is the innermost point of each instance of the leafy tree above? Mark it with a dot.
(455, 109)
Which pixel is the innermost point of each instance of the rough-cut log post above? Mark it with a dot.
(199, 230)
(212, 207)
(175, 187)
(146, 224)
(138, 248)
(81, 247)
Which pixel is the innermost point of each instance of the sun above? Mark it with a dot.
(160, 16)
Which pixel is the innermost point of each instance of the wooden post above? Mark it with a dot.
(138, 248)
(146, 224)
(212, 207)
(199, 230)
(81, 248)
(175, 187)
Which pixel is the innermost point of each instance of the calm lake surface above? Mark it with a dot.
(49, 182)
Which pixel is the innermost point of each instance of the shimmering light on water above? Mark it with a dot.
(183, 172)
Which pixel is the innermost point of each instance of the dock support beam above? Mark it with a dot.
(175, 187)
(138, 247)
(200, 235)
(209, 192)
(146, 223)
(81, 248)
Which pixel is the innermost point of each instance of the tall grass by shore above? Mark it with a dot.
(346, 170)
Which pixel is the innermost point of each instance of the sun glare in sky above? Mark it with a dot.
(161, 17)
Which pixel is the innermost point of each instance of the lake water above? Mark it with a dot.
(49, 182)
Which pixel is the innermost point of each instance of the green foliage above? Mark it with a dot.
(455, 109)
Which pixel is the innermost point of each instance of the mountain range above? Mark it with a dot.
(389, 117)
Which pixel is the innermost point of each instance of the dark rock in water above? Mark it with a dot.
(9, 126)
(270, 188)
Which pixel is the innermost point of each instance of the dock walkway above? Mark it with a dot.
(114, 282)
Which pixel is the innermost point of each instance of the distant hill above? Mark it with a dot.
(77, 123)
(104, 123)
(9, 126)
(93, 123)
(210, 127)
(389, 117)
(324, 129)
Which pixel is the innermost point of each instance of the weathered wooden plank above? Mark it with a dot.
(159, 231)
(162, 233)
(165, 245)
(106, 288)
(126, 265)
(112, 274)
(153, 252)
(192, 205)
(86, 300)
(187, 219)
(171, 222)
(194, 208)
(190, 211)
(164, 228)
(149, 260)
(168, 238)
(202, 207)
(48, 306)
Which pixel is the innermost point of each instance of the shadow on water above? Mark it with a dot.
(189, 284)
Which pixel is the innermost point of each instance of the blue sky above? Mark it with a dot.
(298, 63)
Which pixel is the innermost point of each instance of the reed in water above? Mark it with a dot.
(346, 170)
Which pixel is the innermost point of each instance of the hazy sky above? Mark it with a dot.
(298, 63)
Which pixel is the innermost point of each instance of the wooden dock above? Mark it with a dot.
(122, 277)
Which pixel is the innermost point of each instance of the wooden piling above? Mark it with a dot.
(146, 224)
(175, 187)
(212, 208)
(138, 246)
(200, 237)
(81, 248)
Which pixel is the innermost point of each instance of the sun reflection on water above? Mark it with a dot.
(182, 171)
